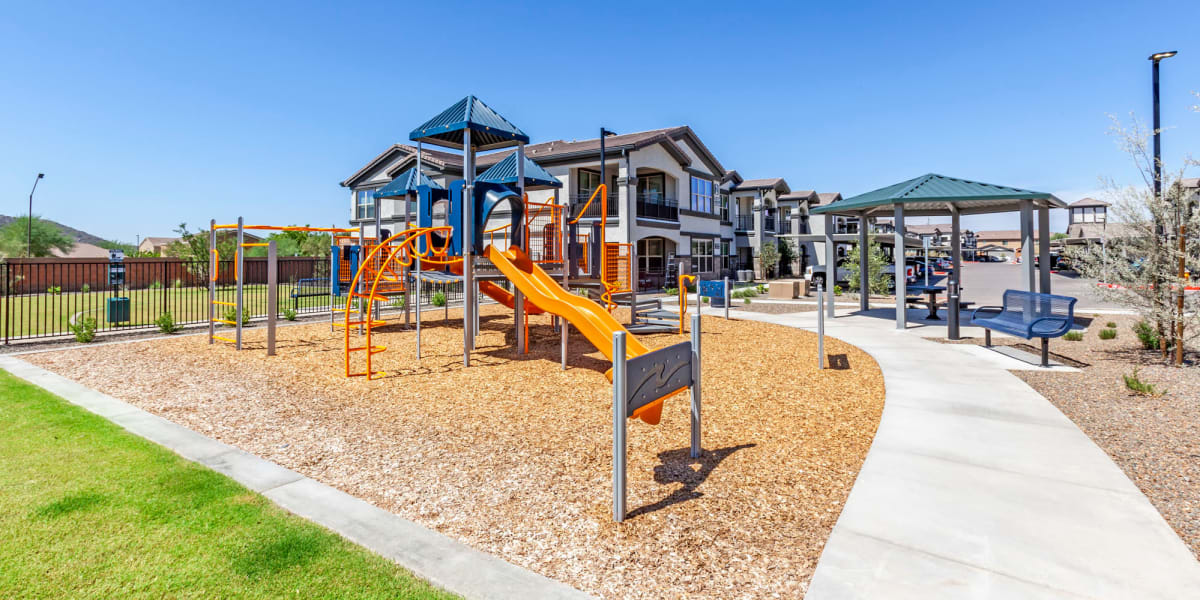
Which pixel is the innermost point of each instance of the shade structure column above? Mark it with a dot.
(1027, 250)
(898, 258)
(468, 252)
(954, 293)
(864, 260)
(519, 240)
(1044, 247)
(830, 264)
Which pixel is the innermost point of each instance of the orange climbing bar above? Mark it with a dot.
(683, 277)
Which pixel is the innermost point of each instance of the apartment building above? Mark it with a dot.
(668, 194)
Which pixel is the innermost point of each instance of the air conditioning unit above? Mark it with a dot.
(745, 275)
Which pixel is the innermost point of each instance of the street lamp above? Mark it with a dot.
(29, 228)
(603, 134)
(1155, 59)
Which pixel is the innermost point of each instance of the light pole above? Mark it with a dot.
(1156, 58)
(29, 224)
(603, 134)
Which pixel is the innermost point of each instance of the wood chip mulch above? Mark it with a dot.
(1154, 439)
(513, 456)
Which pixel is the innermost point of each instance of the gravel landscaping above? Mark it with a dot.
(1154, 439)
(513, 456)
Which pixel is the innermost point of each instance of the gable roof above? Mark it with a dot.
(561, 151)
(505, 171)
(759, 184)
(1085, 202)
(406, 184)
(828, 197)
(931, 194)
(808, 195)
(404, 152)
(488, 129)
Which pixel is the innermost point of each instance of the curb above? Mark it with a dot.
(441, 560)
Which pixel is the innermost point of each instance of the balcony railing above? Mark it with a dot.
(745, 223)
(769, 223)
(785, 226)
(593, 211)
(656, 206)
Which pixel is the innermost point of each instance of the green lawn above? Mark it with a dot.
(88, 510)
(42, 314)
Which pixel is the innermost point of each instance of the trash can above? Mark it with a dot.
(118, 310)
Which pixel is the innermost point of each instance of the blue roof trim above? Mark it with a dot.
(404, 184)
(505, 172)
(494, 131)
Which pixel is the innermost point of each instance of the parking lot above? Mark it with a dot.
(984, 284)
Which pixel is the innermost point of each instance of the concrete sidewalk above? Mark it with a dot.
(977, 487)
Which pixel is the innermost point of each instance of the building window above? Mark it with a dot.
(702, 195)
(702, 256)
(726, 255)
(725, 206)
(1101, 214)
(588, 182)
(652, 188)
(650, 256)
(364, 204)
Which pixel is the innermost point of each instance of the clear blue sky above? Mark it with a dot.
(143, 116)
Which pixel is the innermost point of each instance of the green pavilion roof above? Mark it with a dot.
(933, 194)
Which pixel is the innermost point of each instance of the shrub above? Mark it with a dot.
(439, 299)
(1111, 325)
(397, 302)
(166, 323)
(670, 291)
(85, 288)
(289, 314)
(178, 283)
(84, 329)
(706, 299)
(1135, 384)
(157, 285)
(1073, 336)
(230, 314)
(837, 290)
(54, 289)
(762, 289)
(1108, 334)
(1146, 335)
(745, 300)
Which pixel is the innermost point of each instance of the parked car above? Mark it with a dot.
(817, 277)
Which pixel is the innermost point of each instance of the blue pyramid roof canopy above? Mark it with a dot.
(505, 171)
(404, 184)
(932, 193)
(489, 129)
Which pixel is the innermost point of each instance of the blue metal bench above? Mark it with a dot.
(1028, 315)
(309, 288)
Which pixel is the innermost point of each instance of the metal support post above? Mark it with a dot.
(725, 290)
(619, 419)
(519, 320)
(214, 267)
(468, 245)
(901, 268)
(272, 294)
(695, 387)
(567, 264)
(952, 306)
(820, 327)
(241, 277)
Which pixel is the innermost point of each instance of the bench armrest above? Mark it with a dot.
(997, 309)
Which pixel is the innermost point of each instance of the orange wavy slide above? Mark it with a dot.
(596, 324)
(498, 293)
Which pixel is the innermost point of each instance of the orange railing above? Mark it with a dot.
(683, 305)
(612, 278)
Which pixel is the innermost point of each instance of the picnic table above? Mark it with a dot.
(931, 291)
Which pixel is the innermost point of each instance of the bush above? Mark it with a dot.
(289, 314)
(230, 314)
(1146, 335)
(837, 290)
(1111, 325)
(157, 285)
(1108, 334)
(1135, 384)
(706, 299)
(166, 323)
(745, 300)
(762, 289)
(84, 329)
(670, 291)
(178, 283)
(1073, 336)
(397, 302)
(439, 299)
(85, 288)
(54, 289)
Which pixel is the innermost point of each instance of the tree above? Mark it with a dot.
(302, 243)
(769, 256)
(786, 255)
(1058, 236)
(1142, 258)
(41, 239)
(876, 260)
